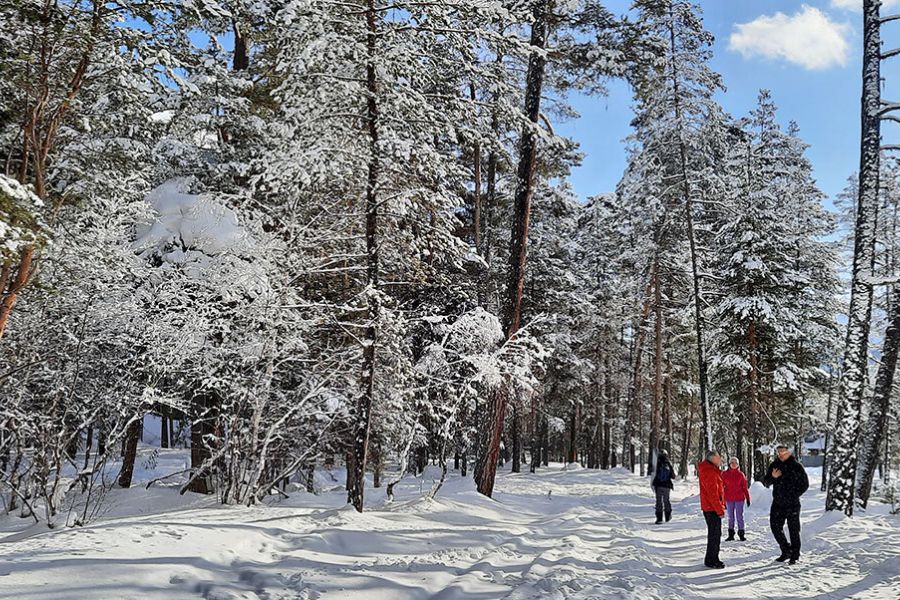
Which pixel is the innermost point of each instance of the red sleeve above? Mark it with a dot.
(721, 495)
(746, 489)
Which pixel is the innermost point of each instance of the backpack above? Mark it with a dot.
(665, 474)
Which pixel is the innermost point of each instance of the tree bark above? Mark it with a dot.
(9, 295)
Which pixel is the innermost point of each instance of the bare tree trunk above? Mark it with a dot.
(203, 431)
(686, 441)
(241, 47)
(487, 466)
(89, 442)
(641, 462)
(309, 477)
(657, 375)
(634, 388)
(545, 442)
(877, 423)
(131, 443)
(757, 464)
(826, 451)
(364, 406)
(163, 430)
(572, 454)
(516, 439)
(668, 409)
(476, 177)
(852, 387)
(535, 446)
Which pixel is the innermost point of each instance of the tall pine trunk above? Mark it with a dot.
(655, 418)
(573, 435)
(476, 178)
(634, 387)
(362, 425)
(163, 430)
(707, 436)
(852, 387)
(516, 435)
(486, 471)
(757, 464)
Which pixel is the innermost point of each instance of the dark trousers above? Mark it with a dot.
(662, 499)
(713, 537)
(777, 518)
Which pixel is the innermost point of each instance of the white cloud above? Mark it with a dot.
(857, 4)
(808, 38)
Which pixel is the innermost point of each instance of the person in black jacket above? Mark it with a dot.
(788, 481)
(662, 485)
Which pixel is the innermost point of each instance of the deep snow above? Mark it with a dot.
(574, 533)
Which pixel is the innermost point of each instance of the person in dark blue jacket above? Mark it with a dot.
(662, 485)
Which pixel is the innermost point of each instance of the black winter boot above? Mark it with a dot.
(659, 516)
(668, 516)
(730, 537)
(741, 535)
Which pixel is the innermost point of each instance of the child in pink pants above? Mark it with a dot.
(736, 493)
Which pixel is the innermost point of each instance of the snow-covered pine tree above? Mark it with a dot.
(677, 144)
(774, 327)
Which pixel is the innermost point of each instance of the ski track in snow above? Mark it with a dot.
(557, 534)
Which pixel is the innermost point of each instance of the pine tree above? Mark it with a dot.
(678, 127)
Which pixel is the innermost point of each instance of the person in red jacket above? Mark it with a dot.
(712, 503)
(736, 493)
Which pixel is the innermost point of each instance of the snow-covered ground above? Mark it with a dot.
(563, 534)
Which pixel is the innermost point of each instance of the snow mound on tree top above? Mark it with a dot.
(189, 222)
(201, 238)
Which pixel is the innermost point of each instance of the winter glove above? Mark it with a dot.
(748, 501)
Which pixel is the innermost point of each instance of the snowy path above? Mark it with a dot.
(578, 534)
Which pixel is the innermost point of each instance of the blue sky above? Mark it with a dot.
(808, 56)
